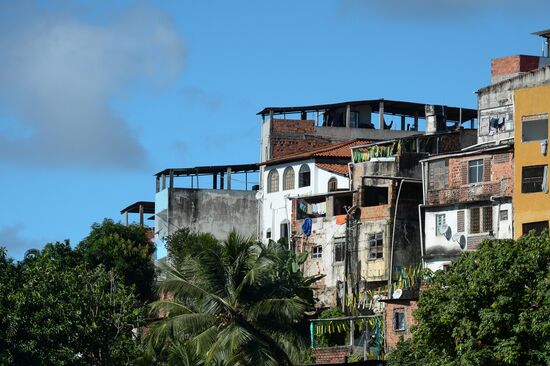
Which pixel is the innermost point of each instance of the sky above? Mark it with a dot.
(96, 97)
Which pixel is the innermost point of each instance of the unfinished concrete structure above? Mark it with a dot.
(214, 207)
(141, 208)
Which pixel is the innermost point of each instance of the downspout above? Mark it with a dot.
(390, 277)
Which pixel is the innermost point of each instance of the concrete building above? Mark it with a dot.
(304, 177)
(467, 198)
(216, 207)
(531, 198)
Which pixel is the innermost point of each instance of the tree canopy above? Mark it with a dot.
(490, 308)
(125, 249)
(231, 302)
(56, 310)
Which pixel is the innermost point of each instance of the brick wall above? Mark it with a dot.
(331, 355)
(512, 66)
(292, 136)
(498, 180)
(392, 336)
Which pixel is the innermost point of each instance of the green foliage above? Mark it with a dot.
(236, 302)
(331, 339)
(124, 249)
(491, 308)
(59, 311)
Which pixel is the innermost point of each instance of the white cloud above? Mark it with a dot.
(59, 72)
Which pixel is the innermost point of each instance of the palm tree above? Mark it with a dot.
(234, 303)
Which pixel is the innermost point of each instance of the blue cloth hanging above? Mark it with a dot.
(306, 226)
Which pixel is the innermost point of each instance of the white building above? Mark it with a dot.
(300, 175)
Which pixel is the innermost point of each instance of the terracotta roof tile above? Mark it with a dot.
(334, 168)
(339, 151)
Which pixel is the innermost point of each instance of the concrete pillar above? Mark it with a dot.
(171, 179)
(141, 215)
(157, 184)
(126, 217)
(228, 179)
(163, 181)
(348, 113)
(415, 126)
(221, 180)
(402, 123)
(381, 114)
(215, 181)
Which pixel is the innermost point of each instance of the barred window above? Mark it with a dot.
(376, 246)
(533, 178)
(317, 251)
(272, 181)
(288, 178)
(439, 224)
(474, 220)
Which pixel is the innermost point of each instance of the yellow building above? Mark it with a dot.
(531, 159)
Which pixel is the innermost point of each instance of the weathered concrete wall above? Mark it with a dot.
(214, 211)
(497, 101)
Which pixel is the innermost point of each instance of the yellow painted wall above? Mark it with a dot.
(529, 207)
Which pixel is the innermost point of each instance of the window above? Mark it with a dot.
(439, 224)
(475, 171)
(375, 196)
(446, 267)
(353, 119)
(288, 178)
(460, 221)
(304, 176)
(332, 184)
(272, 181)
(399, 319)
(534, 128)
(503, 215)
(533, 179)
(481, 219)
(268, 234)
(376, 246)
(284, 229)
(317, 251)
(538, 227)
(474, 220)
(339, 244)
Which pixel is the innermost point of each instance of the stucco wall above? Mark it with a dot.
(277, 208)
(529, 207)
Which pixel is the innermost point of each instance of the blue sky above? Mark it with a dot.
(97, 97)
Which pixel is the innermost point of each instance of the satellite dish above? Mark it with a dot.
(462, 242)
(447, 231)
(397, 293)
(259, 195)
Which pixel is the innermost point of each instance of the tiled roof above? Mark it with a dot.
(334, 168)
(336, 151)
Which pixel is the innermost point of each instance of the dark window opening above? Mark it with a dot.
(268, 234)
(375, 196)
(376, 246)
(533, 178)
(304, 176)
(339, 244)
(539, 227)
(534, 128)
(503, 215)
(317, 251)
(399, 319)
(284, 230)
(341, 203)
(332, 184)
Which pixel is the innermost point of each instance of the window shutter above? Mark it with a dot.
(464, 173)
(487, 218)
(487, 169)
(460, 221)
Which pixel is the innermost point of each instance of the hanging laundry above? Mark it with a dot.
(306, 226)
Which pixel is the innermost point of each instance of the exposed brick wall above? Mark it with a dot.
(281, 146)
(498, 180)
(513, 64)
(292, 125)
(331, 355)
(392, 336)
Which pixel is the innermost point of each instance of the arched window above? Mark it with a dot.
(332, 184)
(304, 176)
(272, 181)
(288, 178)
